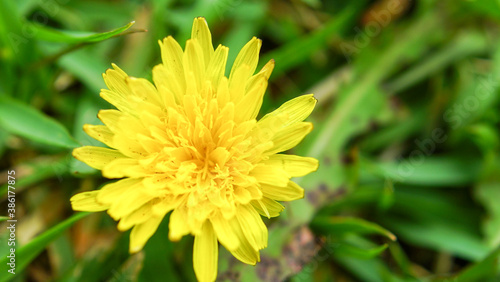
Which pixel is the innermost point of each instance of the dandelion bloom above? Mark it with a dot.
(190, 144)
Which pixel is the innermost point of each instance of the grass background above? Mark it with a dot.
(406, 131)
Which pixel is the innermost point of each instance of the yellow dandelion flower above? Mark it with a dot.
(190, 144)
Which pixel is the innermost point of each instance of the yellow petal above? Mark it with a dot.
(156, 181)
(150, 145)
(167, 96)
(112, 192)
(127, 124)
(119, 70)
(289, 193)
(191, 88)
(237, 83)
(167, 204)
(249, 106)
(124, 167)
(143, 89)
(111, 118)
(138, 216)
(99, 132)
(267, 69)
(133, 200)
(171, 55)
(242, 195)
(194, 64)
(289, 137)
(201, 33)
(127, 145)
(267, 207)
(217, 65)
(243, 68)
(119, 93)
(223, 95)
(122, 103)
(86, 201)
(115, 80)
(251, 222)
(205, 254)
(178, 226)
(255, 191)
(224, 233)
(293, 111)
(142, 232)
(265, 72)
(272, 175)
(167, 84)
(294, 166)
(249, 56)
(245, 252)
(96, 157)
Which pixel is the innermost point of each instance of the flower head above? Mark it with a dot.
(190, 144)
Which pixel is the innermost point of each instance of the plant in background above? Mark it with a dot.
(190, 144)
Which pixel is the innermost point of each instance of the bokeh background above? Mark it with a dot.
(406, 131)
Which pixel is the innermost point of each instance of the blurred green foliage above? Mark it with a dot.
(406, 131)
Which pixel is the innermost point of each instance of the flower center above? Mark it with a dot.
(207, 157)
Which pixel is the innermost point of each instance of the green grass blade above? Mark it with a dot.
(32, 124)
(340, 225)
(355, 94)
(64, 36)
(488, 268)
(454, 171)
(464, 46)
(296, 52)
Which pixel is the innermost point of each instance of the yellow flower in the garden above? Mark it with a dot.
(190, 144)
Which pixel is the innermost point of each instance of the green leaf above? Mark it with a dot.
(354, 251)
(439, 236)
(62, 252)
(487, 192)
(486, 136)
(337, 225)
(32, 124)
(356, 247)
(3, 218)
(421, 168)
(435, 219)
(25, 254)
(53, 35)
(372, 270)
(401, 259)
